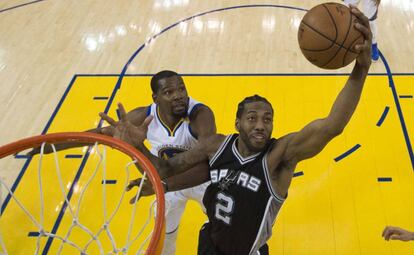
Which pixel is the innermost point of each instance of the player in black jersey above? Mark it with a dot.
(250, 172)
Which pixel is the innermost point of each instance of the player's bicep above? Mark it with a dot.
(203, 123)
(309, 141)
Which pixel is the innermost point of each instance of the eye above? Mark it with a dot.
(167, 92)
(251, 118)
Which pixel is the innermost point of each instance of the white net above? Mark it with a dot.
(91, 216)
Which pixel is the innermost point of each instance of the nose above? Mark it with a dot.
(178, 95)
(259, 125)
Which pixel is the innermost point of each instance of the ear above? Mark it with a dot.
(154, 97)
(237, 124)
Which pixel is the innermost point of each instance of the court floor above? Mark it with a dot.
(88, 55)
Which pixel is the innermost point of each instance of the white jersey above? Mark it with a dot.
(165, 142)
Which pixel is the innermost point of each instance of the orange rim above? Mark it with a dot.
(122, 146)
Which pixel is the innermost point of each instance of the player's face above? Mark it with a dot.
(172, 97)
(255, 125)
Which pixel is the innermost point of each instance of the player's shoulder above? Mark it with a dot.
(280, 148)
(138, 115)
(200, 110)
(202, 121)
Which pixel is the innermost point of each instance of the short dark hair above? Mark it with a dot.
(159, 76)
(251, 99)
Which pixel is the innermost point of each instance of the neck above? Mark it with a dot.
(169, 119)
(244, 149)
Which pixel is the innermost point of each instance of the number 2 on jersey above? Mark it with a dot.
(224, 207)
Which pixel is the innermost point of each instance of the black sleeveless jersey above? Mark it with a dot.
(240, 202)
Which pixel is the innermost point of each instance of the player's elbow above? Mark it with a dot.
(332, 127)
(335, 130)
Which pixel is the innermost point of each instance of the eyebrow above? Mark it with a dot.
(169, 87)
(251, 111)
(254, 111)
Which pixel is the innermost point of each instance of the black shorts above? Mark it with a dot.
(206, 246)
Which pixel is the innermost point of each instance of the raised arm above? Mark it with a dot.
(313, 137)
(308, 142)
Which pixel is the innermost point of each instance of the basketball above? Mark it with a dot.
(327, 36)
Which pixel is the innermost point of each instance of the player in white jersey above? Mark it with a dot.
(370, 9)
(178, 123)
(165, 143)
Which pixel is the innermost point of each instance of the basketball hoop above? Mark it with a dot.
(97, 236)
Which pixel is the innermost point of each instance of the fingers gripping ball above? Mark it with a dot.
(327, 36)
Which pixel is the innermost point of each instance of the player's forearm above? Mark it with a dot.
(347, 100)
(184, 161)
(58, 147)
(177, 164)
(193, 177)
(412, 236)
(159, 164)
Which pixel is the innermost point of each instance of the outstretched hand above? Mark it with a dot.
(396, 233)
(146, 190)
(124, 129)
(364, 50)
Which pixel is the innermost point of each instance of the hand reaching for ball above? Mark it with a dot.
(364, 50)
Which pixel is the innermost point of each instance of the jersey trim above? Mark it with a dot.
(169, 131)
(148, 110)
(268, 182)
(177, 127)
(220, 150)
(240, 157)
(269, 202)
(191, 132)
(196, 106)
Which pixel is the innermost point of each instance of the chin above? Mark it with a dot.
(180, 114)
(257, 147)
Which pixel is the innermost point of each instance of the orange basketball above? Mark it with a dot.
(327, 36)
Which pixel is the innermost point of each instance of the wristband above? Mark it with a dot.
(165, 185)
